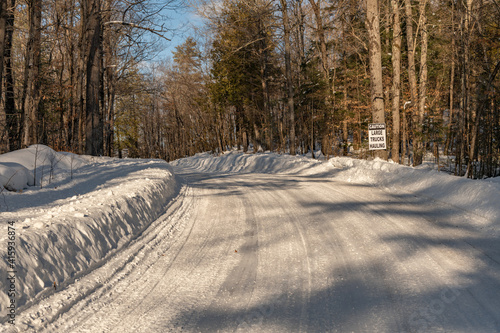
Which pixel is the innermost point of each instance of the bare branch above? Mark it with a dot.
(133, 25)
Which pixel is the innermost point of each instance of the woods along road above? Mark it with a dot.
(288, 253)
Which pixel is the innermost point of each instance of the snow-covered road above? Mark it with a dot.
(289, 253)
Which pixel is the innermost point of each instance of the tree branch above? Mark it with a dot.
(133, 25)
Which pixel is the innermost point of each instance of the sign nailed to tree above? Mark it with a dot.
(376, 136)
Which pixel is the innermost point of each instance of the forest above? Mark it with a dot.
(290, 76)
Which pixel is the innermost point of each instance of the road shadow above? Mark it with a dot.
(418, 286)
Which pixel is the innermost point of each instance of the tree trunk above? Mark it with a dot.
(94, 123)
(288, 74)
(263, 58)
(452, 83)
(396, 81)
(110, 72)
(73, 119)
(320, 31)
(4, 133)
(419, 144)
(3, 26)
(377, 93)
(300, 29)
(10, 107)
(412, 76)
(32, 74)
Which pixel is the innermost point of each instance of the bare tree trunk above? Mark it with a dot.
(4, 133)
(396, 81)
(465, 101)
(299, 13)
(73, 119)
(3, 26)
(94, 124)
(263, 58)
(320, 31)
(419, 144)
(412, 76)
(10, 107)
(80, 105)
(110, 72)
(288, 74)
(32, 75)
(377, 94)
(448, 142)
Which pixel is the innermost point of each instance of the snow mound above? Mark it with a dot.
(234, 161)
(14, 176)
(19, 168)
(71, 227)
(477, 196)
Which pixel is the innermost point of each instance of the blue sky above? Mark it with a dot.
(182, 22)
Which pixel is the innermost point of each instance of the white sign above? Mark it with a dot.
(376, 136)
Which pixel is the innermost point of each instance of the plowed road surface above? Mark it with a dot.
(285, 253)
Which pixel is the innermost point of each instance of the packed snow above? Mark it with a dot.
(81, 211)
(72, 213)
(478, 196)
(37, 164)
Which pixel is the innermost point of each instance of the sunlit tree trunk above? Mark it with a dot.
(377, 94)
(288, 74)
(412, 74)
(419, 144)
(396, 81)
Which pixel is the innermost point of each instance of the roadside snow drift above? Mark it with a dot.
(477, 196)
(235, 161)
(480, 197)
(72, 224)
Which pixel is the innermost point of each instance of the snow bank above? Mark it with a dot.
(477, 196)
(235, 161)
(14, 176)
(19, 168)
(69, 227)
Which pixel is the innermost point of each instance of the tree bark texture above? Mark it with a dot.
(94, 124)
(32, 74)
(288, 74)
(375, 54)
(396, 81)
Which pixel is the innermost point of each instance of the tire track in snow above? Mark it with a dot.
(238, 285)
(321, 257)
(79, 298)
(291, 212)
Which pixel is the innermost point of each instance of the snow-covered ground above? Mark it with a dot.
(85, 214)
(481, 197)
(82, 210)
